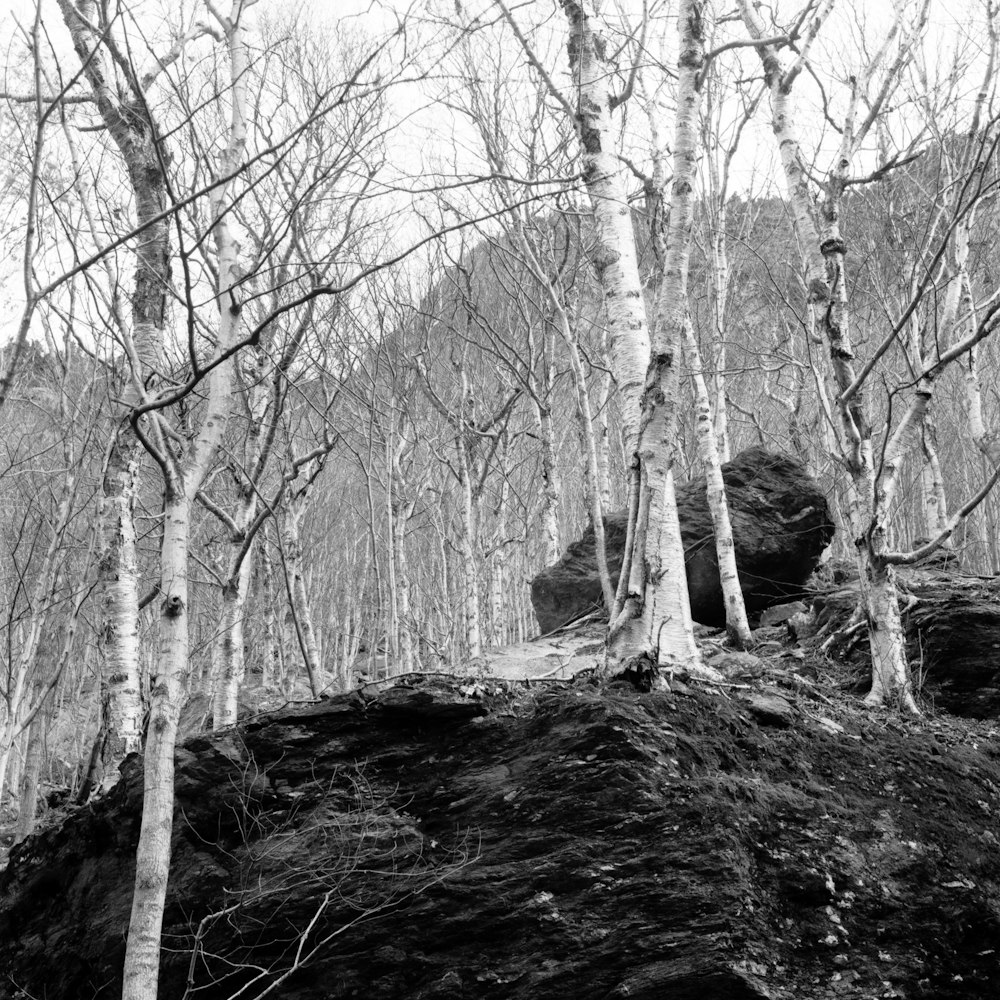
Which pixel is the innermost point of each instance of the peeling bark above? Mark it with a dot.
(655, 619)
(615, 259)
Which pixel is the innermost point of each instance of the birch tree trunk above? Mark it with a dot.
(824, 251)
(737, 626)
(229, 652)
(551, 487)
(28, 790)
(184, 474)
(467, 549)
(602, 431)
(126, 116)
(31, 769)
(655, 619)
(272, 672)
(654, 624)
(403, 512)
(935, 499)
(615, 259)
(298, 599)
(720, 275)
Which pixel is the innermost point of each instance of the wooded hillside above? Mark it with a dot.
(325, 332)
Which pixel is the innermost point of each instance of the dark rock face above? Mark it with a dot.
(952, 626)
(565, 843)
(781, 525)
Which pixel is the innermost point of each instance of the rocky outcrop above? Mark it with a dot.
(781, 525)
(952, 625)
(567, 842)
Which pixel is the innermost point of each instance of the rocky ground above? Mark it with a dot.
(763, 837)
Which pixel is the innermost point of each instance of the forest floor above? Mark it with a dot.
(762, 837)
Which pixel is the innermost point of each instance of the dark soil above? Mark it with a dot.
(558, 842)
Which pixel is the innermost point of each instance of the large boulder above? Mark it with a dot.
(781, 525)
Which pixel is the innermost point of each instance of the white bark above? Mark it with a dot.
(185, 475)
(615, 258)
(935, 499)
(121, 692)
(272, 673)
(142, 954)
(229, 651)
(720, 276)
(655, 621)
(30, 773)
(300, 611)
(140, 149)
(466, 545)
(890, 685)
(824, 253)
(404, 509)
(551, 486)
(602, 431)
(737, 626)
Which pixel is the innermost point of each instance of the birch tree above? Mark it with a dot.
(123, 100)
(184, 460)
(672, 251)
(651, 619)
(818, 226)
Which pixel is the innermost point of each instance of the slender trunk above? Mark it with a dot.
(311, 651)
(824, 251)
(271, 664)
(30, 772)
(603, 435)
(6, 752)
(184, 473)
(720, 274)
(592, 471)
(127, 118)
(935, 501)
(348, 650)
(392, 638)
(229, 651)
(473, 629)
(290, 651)
(890, 684)
(229, 648)
(152, 862)
(737, 626)
(300, 613)
(551, 487)
(496, 598)
(402, 582)
(13, 698)
(118, 576)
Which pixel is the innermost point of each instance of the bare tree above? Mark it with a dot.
(874, 479)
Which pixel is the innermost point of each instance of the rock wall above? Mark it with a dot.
(565, 842)
(781, 525)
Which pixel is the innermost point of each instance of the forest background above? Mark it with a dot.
(314, 343)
